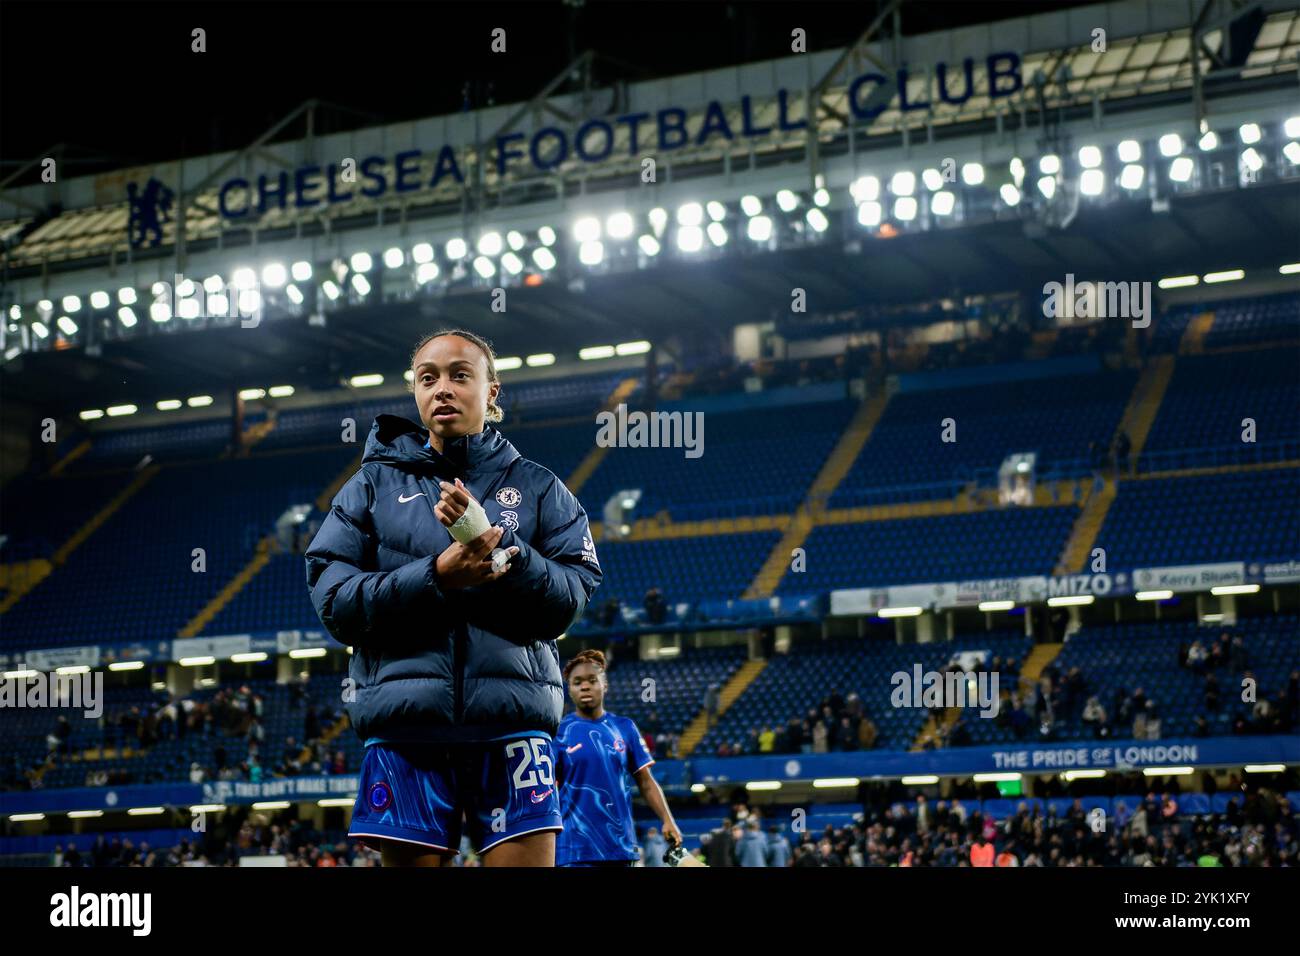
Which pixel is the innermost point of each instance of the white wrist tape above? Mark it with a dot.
(470, 525)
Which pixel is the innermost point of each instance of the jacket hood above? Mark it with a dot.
(400, 441)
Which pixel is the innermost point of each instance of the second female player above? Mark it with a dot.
(598, 755)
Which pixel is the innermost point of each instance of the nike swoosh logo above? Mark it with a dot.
(403, 499)
(569, 750)
(538, 799)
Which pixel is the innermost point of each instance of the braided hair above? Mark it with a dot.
(595, 658)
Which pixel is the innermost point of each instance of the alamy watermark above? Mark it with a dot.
(84, 692)
(623, 429)
(952, 688)
(1098, 300)
(75, 909)
(212, 298)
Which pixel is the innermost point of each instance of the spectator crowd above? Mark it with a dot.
(229, 725)
(1259, 829)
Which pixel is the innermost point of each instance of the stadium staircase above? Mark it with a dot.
(1032, 669)
(69, 458)
(19, 577)
(1139, 415)
(38, 773)
(935, 727)
(266, 547)
(932, 733)
(597, 454)
(731, 691)
(326, 497)
(1132, 346)
(774, 567)
(846, 451)
(586, 467)
(675, 385)
(1193, 340)
(37, 571)
(832, 472)
(1084, 533)
(259, 431)
(331, 733)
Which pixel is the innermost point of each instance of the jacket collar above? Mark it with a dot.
(399, 440)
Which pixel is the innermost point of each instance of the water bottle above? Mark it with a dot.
(678, 856)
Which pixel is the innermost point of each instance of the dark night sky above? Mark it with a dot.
(117, 81)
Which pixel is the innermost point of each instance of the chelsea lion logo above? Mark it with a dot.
(509, 497)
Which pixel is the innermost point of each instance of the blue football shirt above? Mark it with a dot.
(594, 764)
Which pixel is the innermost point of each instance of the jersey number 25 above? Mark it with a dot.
(533, 750)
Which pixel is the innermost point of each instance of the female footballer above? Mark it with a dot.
(450, 564)
(597, 752)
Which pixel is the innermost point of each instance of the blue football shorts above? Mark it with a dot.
(419, 793)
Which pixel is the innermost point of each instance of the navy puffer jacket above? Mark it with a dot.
(459, 665)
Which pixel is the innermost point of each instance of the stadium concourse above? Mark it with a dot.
(752, 667)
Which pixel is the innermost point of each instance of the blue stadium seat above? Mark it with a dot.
(1123, 657)
(992, 421)
(789, 445)
(1200, 418)
(1249, 516)
(984, 544)
(793, 683)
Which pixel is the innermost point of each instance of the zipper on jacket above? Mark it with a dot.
(431, 494)
(461, 636)
(458, 670)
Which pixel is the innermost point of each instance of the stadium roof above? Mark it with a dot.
(1141, 85)
(1146, 55)
(1238, 229)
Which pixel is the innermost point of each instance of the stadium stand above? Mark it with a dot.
(991, 422)
(866, 338)
(128, 586)
(1200, 422)
(789, 444)
(684, 569)
(52, 509)
(1114, 662)
(998, 542)
(1217, 517)
(1254, 320)
(886, 522)
(164, 443)
(797, 685)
